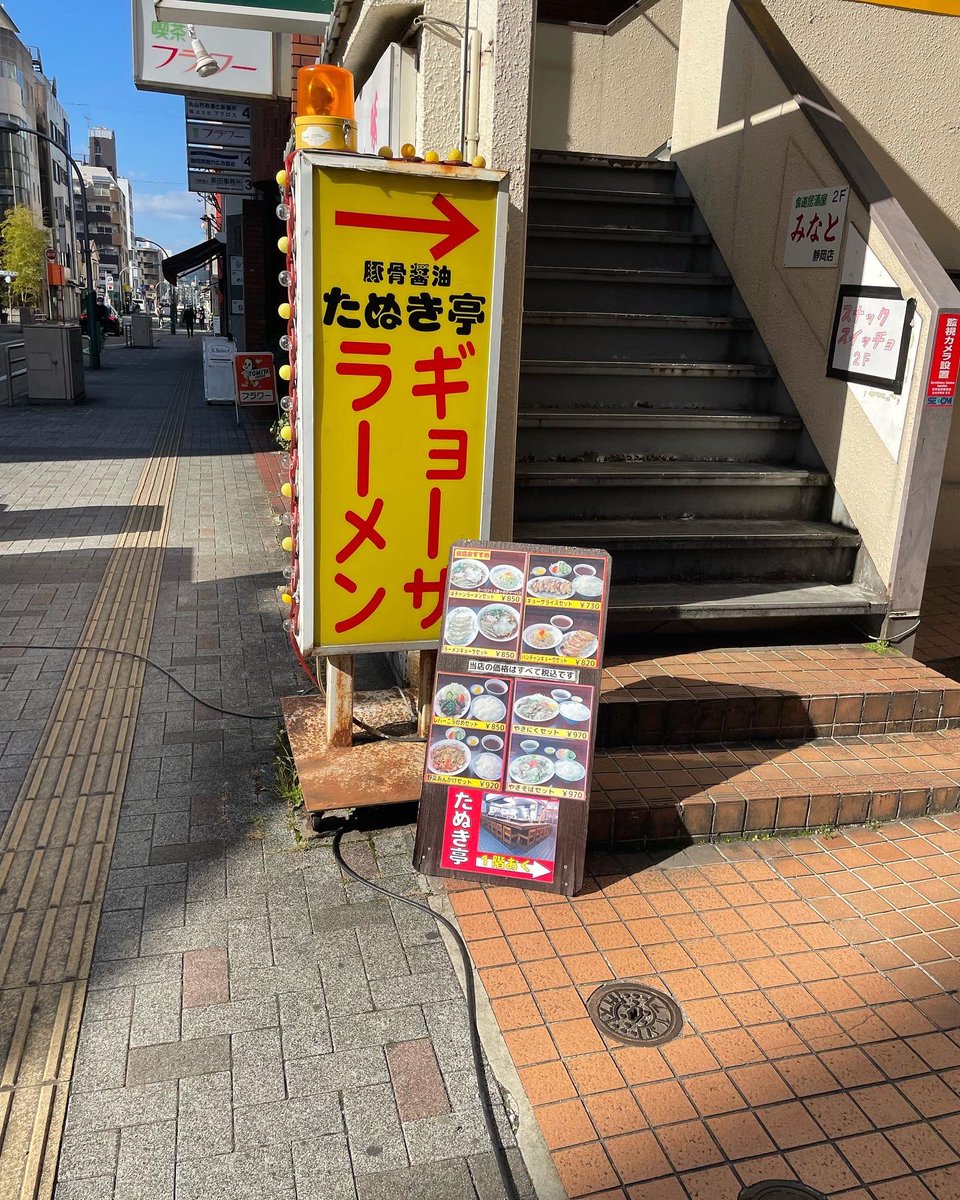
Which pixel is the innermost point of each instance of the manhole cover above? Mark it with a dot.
(633, 1013)
(780, 1189)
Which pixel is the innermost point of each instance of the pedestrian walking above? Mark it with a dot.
(188, 317)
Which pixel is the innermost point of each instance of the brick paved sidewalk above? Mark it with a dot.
(254, 1026)
(818, 980)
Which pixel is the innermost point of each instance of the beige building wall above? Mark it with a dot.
(894, 76)
(745, 148)
(607, 93)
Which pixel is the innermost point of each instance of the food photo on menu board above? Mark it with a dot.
(457, 755)
(573, 582)
(498, 573)
(487, 630)
(570, 637)
(539, 708)
(472, 701)
(548, 766)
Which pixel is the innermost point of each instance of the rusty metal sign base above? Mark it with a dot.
(358, 776)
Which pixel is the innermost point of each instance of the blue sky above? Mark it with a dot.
(87, 48)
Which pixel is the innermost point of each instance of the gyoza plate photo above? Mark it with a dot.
(460, 628)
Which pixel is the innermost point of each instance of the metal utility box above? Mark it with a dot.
(54, 355)
(141, 331)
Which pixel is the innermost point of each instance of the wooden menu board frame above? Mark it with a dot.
(506, 792)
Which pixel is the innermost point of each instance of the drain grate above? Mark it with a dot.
(635, 1014)
(780, 1189)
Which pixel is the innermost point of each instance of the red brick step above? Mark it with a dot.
(791, 693)
(649, 794)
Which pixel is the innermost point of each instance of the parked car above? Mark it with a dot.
(108, 319)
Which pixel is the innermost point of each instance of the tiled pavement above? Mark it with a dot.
(255, 1026)
(818, 980)
(258, 1026)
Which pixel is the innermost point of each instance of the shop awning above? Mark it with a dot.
(943, 8)
(189, 260)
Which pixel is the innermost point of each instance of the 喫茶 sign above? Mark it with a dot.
(399, 276)
(871, 337)
(510, 748)
(815, 227)
(279, 16)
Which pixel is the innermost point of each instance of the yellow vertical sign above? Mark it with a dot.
(405, 332)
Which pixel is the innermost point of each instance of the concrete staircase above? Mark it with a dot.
(652, 421)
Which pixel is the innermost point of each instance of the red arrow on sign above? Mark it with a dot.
(455, 227)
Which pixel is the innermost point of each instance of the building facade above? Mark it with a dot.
(150, 278)
(34, 173)
(110, 207)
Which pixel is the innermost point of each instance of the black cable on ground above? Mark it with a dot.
(486, 1105)
(227, 712)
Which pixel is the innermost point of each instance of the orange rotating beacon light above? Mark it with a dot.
(325, 113)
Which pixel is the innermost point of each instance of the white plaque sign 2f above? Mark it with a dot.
(815, 227)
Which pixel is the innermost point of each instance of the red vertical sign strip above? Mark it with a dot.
(942, 384)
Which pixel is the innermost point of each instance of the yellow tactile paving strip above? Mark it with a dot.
(55, 848)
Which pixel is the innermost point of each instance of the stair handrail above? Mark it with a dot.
(918, 260)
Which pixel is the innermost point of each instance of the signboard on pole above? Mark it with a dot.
(942, 384)
(815, 227)
(210, 181)
(199, 109)
(199, 158)
(283, 16)
(871, 336)
(256, 382)
(510, 749)
(50, 254)
(209, 133)
(164, 61)
(397, 311)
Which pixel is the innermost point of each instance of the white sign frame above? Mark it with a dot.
(207, 182)
(256, 73)
(243, 16)
(892, 363)
(826, 207)
(220, 137)
(212, 158)
(200, 108)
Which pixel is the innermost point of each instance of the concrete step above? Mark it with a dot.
(641, 797)
(676, 386)
(561, 432)
(673, 551)
(771, 693)
(558, 168)
(625, 336)
(635, 607)
(603, 490)
(596, 289)
(652, 250)
(598, 207)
